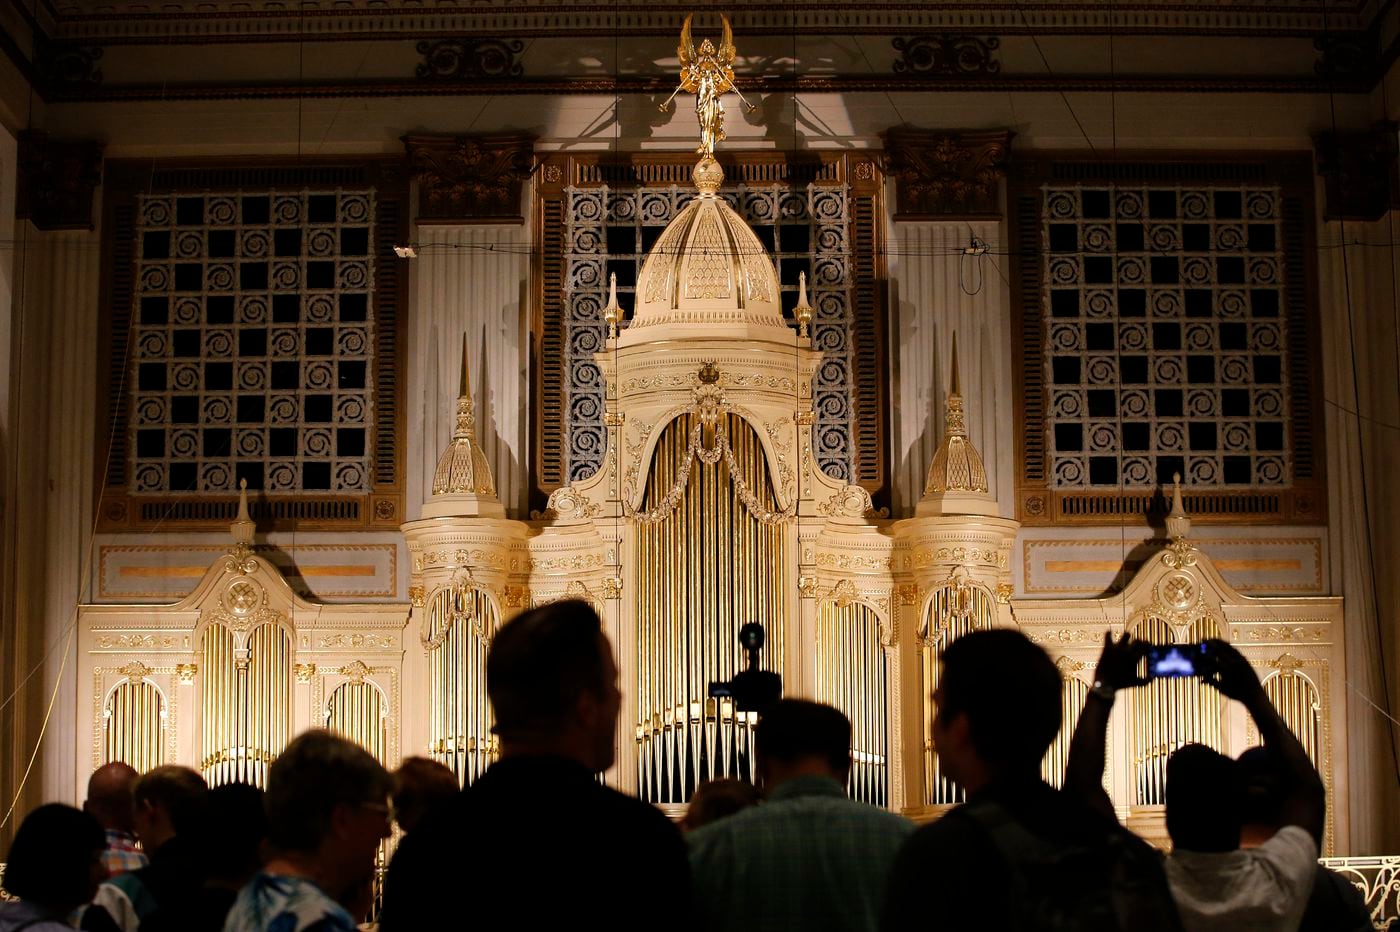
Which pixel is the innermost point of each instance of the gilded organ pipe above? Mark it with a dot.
(851, 675)
(954, 609)
(461, 620)
(358, 712)
(1171, 711)
(705, 569)
(133, 727)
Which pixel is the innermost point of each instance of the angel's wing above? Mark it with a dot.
(686, 50)
(726, 44)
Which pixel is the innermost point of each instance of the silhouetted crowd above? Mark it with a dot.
(538, 842)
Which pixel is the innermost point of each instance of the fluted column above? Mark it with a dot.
(472, 280)
(48, 454)
(1361, 382)
(937, 290)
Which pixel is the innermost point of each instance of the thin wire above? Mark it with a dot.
(43, 730)
(1051, 72)
(1361, 440)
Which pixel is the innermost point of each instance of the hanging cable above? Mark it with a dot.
(1361, 438)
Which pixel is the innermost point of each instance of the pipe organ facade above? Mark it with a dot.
(709, 510)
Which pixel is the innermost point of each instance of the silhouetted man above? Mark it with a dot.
(1217, 885)
(1336, 905)
(327, 812)
(536, 839)
(109, 802)
(1019, 854)
(167, 803)
(809, 858)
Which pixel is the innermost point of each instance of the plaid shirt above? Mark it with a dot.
(809, 858)
(121, 854)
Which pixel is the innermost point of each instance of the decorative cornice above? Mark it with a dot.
(466, 179)
(942, 55)
(764, 84)
(1359, 172)
(947, 173)
(195, 20)
(464, 59)
(57, 179)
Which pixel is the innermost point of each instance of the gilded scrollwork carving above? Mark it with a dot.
(567, 502)
(305, 672)
(355, 671)
(851, 502)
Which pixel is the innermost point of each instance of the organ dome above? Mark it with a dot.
(707, 276)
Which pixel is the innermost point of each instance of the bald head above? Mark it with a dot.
(109, 798)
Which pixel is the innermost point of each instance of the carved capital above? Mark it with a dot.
(186, 672)
(57, 178)
(947, 173)
(1359, 172)
(304, 672)
(469, 178)
(947, 56)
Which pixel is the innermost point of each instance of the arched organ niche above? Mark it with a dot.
(223, 679)
(134, 722)
(358, 709)
(853, 675)
(707, 562)
(1168, 713)
(246, 698)
(461, 619)
(1299, 702)
(956, 607)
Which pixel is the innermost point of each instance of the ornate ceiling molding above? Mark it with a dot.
(199, 20)
(939, 55)
(470, 59)
(947, 173)
(469, 179)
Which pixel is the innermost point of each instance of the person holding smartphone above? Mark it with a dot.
(1216, 884)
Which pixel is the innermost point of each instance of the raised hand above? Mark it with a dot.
(1118, 663)
(1231, 673)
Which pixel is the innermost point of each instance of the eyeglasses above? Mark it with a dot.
(386, 809)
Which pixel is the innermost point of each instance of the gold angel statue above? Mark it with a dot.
(709, 75)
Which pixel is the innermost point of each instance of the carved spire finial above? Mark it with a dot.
(957, 479)
(464, 389)
(1178, 522)
(612, 314)
(803, 311)
(242, 527)
(463, 471)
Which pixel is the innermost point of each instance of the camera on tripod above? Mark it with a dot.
(752, 689)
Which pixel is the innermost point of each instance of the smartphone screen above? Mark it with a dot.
(1164, 660)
